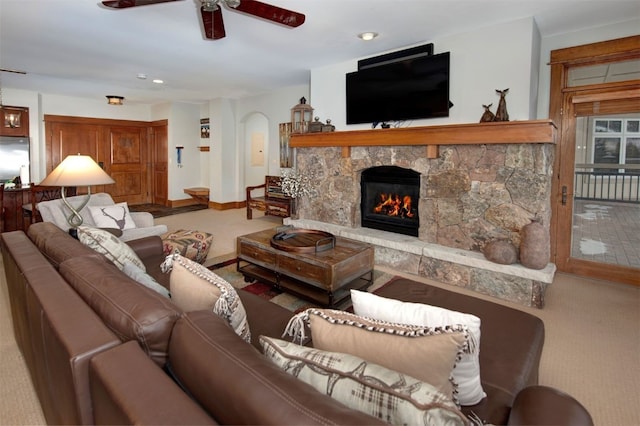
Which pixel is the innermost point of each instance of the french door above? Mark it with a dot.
(596, 211)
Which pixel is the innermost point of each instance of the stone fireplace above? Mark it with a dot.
(467, 196)
(389, 199)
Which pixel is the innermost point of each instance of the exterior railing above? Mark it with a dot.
(608, 182)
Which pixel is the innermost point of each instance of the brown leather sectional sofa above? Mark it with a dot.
(102, 349)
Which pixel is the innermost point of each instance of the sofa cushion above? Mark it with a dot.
(131, 311)
(115, 216)
(467, 371)
(268, 319)
(140, 276)
(127, 388)
(221, 370)
(109, 245)
(57, 245)
(194, 287)
(426, 353)
(372, 389)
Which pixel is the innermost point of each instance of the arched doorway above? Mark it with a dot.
(256, 148)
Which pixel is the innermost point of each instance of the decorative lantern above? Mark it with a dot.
(301, 117)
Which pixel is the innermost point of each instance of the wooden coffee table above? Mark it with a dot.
(325, 276)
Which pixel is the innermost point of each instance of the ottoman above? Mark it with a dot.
(193, 245)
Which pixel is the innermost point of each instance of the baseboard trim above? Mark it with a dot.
(212, 204)
(227, 206)
(183, 203)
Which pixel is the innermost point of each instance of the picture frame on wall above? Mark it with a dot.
(286, 153)
(204, 128)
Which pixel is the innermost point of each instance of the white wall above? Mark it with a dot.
(184, 130)
(577, 38)
(223, 161)
(40, 104)
(479, 65)
(276, 107)
(254, 132)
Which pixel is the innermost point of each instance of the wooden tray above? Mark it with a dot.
(305, 241)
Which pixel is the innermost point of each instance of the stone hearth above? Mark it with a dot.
(469, 195)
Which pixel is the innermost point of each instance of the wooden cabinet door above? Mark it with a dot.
(129, 153)
(64, 139)
(125, 149)
(160, 162)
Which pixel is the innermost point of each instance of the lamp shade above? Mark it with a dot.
(77, 170)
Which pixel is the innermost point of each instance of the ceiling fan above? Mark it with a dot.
(211, 13)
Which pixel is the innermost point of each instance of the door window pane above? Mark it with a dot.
(607, 151)
(608, 126)
(632, 154)
(604, 73)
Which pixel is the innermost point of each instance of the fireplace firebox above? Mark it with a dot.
(389, 199)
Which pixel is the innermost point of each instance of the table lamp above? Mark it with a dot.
(77, 170)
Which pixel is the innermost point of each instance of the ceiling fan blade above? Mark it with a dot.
(272, 13)
(212, 23)
(121, 4)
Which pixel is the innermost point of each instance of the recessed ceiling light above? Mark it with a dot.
(142, 76)
(368, 36)
(158, 81)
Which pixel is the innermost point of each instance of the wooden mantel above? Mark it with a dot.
(535, 131)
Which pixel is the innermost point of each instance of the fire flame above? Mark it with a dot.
(394, 205)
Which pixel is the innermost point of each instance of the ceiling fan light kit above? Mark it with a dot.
(114, 100)
(211, 13)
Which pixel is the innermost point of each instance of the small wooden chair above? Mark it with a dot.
(41, 193)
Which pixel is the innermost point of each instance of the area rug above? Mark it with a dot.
(228, 271)
(158, 210)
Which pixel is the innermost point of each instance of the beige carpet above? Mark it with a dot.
(592, 347)
(225, 225)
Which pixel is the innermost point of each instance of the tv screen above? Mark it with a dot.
(407, 89)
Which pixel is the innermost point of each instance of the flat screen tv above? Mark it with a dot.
(406, 89)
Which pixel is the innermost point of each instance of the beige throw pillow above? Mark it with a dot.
(364, 386)
(467, 371)
(104, 242)
(193, 287)
(426, 353)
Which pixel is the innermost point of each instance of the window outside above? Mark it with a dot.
(616, 142)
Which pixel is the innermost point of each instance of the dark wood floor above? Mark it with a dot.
(158, 210)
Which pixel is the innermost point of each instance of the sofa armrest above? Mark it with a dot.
(142, 219)
(146, 247)
(128, 388)
(543, 405)
(135, 233)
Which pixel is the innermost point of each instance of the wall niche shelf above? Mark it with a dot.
(505, 132)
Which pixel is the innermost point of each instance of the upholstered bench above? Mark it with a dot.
(193, 245)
